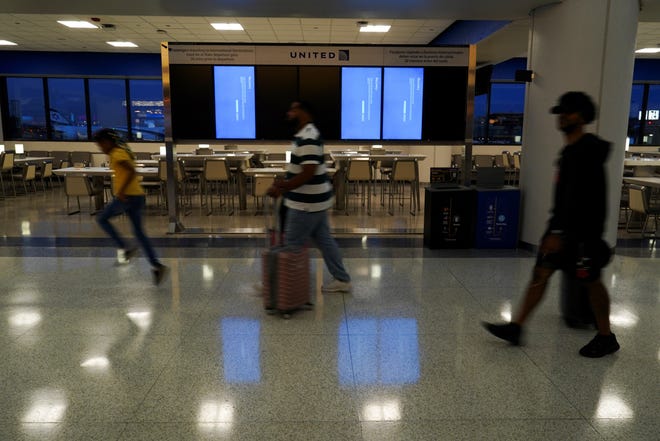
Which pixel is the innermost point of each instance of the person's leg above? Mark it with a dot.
(114, 208)
(605, 341)
(134, 207)
(298, 226)
(533, 294)
(328, 246)
(600, 303)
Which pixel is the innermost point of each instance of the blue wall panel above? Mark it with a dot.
(79, 64)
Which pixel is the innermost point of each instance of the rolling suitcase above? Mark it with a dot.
(574, 303)
(285, 270)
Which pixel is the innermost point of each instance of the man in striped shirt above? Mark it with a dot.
(308, 195)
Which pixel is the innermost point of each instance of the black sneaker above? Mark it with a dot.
(508, 331)
(600, 346)
(159, 273)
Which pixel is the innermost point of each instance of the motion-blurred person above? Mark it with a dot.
(573, 240)
(308, 196)
(128, 198)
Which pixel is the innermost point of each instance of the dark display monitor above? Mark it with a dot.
(360, 102)
(403, 103)
(234, 102)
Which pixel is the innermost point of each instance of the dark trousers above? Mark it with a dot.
(133, 207)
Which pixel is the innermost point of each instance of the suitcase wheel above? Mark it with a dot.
(270, 311)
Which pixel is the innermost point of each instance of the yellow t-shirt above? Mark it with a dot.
(118, 155)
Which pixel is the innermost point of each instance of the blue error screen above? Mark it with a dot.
(360, 102)
(234, 102)
(402, 102)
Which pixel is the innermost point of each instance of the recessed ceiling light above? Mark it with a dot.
(648, 50)
(121, 44)
(227, 26)
(375, 28)
(7, 43)
(79, 24)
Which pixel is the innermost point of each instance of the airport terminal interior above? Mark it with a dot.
(92, 349)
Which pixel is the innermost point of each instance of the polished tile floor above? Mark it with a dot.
(91, 350)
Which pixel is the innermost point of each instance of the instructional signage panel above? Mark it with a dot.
(234, 102)
(360, 102)
(402, 103)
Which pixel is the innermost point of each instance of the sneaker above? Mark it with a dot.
(600, 346)
(124, 256)
(159, 273)
(509, 331)
(336, 286)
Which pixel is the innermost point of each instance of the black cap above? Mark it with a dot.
(572, 102)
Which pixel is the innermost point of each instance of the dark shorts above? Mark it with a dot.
(584, 261)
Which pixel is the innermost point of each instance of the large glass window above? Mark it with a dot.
(68, 117)
(507, 103)
(107, 101)
(635, 115)
(26, 117)
(147, 110)
(480, 129)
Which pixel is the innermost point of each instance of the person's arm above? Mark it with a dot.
(281, 186)
(131, 174)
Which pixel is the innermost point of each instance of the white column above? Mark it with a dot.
(588, 46)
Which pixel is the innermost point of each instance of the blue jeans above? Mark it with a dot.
(300, 226)
(133, 208)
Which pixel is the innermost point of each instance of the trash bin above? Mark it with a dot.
(498, 212)
(448, 216)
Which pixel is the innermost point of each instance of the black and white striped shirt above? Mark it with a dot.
(316, 194)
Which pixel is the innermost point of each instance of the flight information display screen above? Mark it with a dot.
(234, 102)
(402, 102)
(360, 102)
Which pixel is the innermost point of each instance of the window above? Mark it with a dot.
(147, 122)
(107, 102)
(68, 117)
(26, 116)
(635, 115)
(480, 129)
(507, 102)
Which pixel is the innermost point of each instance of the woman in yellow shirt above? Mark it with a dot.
(129, 198)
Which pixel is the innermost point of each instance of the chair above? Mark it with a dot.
(217, 177)
(27, 175)
(482, 161)
(204, 151)
(37, 154)
(142, 156)
(81, 158)
(260, 184)
(6, 168)
(358, 171)
(639, 202)
(181, 182)
(404, 172)
(77, 186)
(46, 172)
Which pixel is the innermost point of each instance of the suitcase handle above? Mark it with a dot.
(272, 219)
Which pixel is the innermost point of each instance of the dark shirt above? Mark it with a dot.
(580, 203)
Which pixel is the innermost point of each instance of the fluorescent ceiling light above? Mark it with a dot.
(121, 44)
(227, 26)
(79, 24)
(648, 50)
(7, 43)
(375, 28)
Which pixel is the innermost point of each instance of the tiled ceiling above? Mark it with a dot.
(40, 31)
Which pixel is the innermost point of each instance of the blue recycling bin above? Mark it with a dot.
(497, 217)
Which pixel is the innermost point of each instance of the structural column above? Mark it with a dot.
(582, 45)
